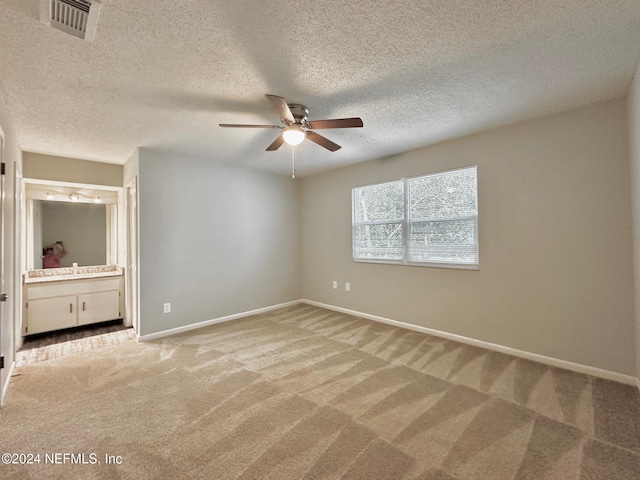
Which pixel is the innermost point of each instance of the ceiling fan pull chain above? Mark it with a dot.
(293, 161)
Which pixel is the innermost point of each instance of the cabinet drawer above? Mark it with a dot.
(51, 314)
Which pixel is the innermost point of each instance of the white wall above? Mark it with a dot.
(634, 142)
(130, 168)
(215, 240)
(12, 156)
(555, 241)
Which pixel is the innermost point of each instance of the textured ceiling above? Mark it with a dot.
(163, 73)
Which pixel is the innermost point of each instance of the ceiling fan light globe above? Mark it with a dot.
(293, 136)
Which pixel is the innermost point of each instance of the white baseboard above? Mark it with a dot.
(554, 362)
(206, 323)
(5, 387)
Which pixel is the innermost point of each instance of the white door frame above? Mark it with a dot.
(132, 279)
(4, 333)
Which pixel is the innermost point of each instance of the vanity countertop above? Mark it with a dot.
(72, 273)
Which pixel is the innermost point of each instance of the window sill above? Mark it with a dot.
(449, 266)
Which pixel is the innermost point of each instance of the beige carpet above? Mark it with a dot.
(306, 393)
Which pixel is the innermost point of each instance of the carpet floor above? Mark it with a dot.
(307, 393)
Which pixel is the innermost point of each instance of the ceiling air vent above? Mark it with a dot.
(75, 17)
(70, 16)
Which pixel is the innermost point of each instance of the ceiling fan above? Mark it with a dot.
(297, 126)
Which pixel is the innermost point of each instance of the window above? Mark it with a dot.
(428, 220)
(378, 221)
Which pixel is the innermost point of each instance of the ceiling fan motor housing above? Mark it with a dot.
(299, 112)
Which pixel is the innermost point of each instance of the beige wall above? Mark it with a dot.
(634, 142)
(71, 170)
(555, 241)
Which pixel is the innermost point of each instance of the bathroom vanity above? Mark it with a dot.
(59, 298)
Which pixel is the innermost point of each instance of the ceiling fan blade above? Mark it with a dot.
(241, 125)
(279, 104)
(322, 141)
(336, 123)
(277, 143)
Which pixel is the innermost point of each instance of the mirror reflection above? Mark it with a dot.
(72, 223)
(68, 233)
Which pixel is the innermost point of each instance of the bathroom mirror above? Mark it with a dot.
(85, 220)
(81, 227)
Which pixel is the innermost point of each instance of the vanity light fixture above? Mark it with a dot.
(74, 197)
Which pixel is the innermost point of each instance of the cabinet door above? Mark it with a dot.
(48, 314)
(98, 307)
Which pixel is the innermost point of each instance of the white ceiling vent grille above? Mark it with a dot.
(75, 17)
(70, 16)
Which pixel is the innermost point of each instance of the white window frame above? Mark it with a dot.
(406, 226)
(355, 224)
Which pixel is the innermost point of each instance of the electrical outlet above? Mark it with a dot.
(167, 308)
(347, 287)
(335, 285)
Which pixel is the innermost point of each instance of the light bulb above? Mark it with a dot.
(293, 135)
(49, 196)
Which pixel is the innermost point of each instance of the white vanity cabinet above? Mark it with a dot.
(69, 303)
(45, 313)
